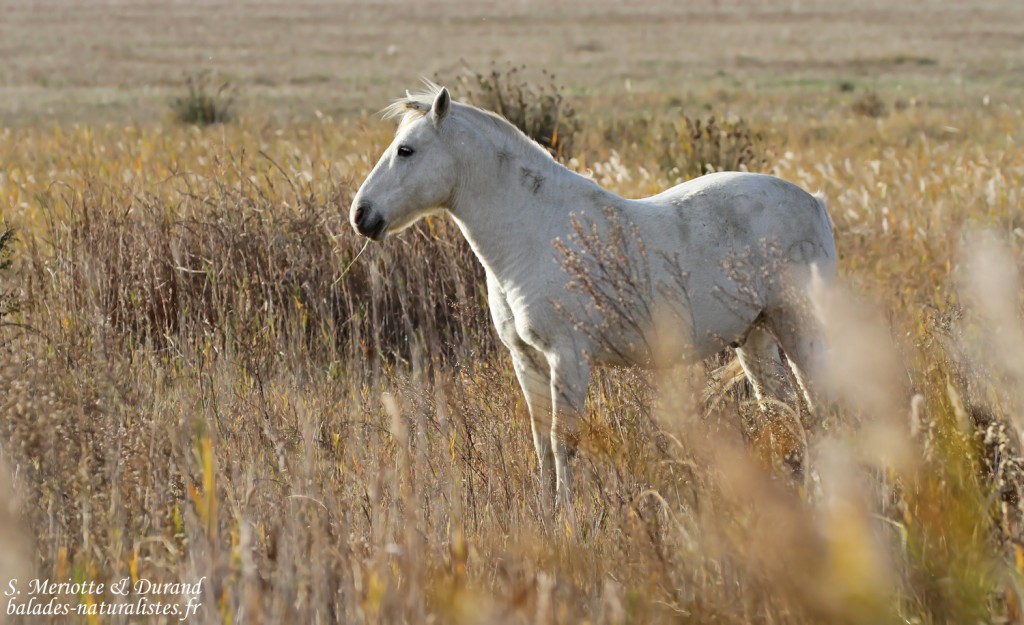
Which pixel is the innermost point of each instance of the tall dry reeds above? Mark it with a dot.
(200, 382)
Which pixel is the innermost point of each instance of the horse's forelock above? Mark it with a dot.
(413, 105)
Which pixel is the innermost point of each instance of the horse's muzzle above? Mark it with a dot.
(366, 222)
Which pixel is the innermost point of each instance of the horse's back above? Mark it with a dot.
(722, 190)
(741, 210)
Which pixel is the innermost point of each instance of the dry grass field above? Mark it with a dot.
(198, 383)
(112, 61)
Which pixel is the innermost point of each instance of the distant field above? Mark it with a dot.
(65, 60)
(202, 381)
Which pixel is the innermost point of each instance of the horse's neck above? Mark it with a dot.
(511, 213)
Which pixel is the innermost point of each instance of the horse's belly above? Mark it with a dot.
(670, 332)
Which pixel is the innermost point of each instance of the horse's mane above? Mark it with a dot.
(416, 104)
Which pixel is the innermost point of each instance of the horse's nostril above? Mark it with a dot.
(366, 222)
(361, 212)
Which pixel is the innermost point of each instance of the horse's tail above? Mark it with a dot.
(826, 265)
(819, 197)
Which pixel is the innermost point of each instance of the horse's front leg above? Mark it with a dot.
(535, 381)
(570, 375)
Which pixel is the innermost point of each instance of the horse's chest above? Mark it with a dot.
(523, 321)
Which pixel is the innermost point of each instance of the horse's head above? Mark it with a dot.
(415, 175)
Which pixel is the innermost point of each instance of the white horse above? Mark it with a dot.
(725, 259)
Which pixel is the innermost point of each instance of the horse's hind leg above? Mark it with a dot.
(774, 437)
(759, 357)
(802, 339)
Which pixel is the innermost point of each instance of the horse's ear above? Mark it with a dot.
(442, 103)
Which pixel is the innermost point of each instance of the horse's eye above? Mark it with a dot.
(405, 151)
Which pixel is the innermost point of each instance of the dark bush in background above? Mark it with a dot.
(204, 105)
(537, 107)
